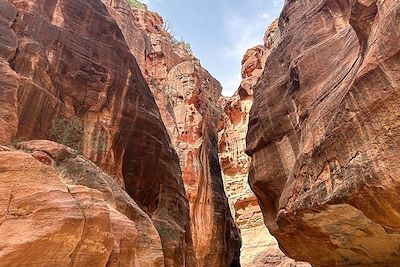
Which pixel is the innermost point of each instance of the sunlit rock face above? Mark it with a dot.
(259, 248)
(324, 133)
(194, 93)
(52, 197)
(187, 96)
(69, 58)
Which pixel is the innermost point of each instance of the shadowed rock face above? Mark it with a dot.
(324, 133)
(69, 58)
(187, 96)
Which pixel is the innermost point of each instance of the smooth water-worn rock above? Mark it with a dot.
(53, 197)
(69, 75)
(324, 133)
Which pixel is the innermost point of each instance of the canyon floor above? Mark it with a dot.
(117, 147)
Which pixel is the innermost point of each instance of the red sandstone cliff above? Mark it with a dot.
(72, 72)
(187, 96)
(324, 133)
(323, 136)
(69, 59)
(259, 247)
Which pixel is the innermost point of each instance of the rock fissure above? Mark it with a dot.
(9, 203)
(74, 253)
(318, 103)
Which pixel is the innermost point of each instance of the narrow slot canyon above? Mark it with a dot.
(119, 148)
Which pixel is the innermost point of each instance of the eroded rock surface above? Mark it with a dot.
(68, 59)
(259, 248)
(51, 197)
(187, 96)
(193, 94)
(324, 133)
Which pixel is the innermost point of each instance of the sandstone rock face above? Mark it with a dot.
(9, 79)
(186, 95)
(259, 248)
(193, 94)
(324, 133)
(69, 59)
(67, 202)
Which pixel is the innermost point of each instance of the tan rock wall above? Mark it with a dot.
(54, 198)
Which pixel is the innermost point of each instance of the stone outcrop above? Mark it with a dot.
(259, 248)
(51, 197)
(324, 133)
(187, 96)
(66, 63)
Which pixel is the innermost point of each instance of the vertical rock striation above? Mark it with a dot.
(324, 133)
(193, 95)
(75, 63)
(187, 96)
(259, 248)
(69, 59)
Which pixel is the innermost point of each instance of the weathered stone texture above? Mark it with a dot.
(187, 96)
(54, 198)
(324, 133)
(259, 247)
(69, 58)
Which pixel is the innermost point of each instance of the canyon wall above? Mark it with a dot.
(259, 248)
(66, 64)
(324, 133)
(78, 72)
(187, 96)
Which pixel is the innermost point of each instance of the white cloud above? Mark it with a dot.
(243, 33)
(277, 3)
(230, 83)
(265, 16)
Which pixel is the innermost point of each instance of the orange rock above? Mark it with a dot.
(52, 150)
(39, 213)
(189, 108)
(136, 238)
(324, 133)
(9, 80)
(259, 247)
(186, 95)
(58, 68)
(91, 220)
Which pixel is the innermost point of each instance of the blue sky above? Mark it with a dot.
(219, 31)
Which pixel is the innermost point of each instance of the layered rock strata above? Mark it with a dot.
(324, 133)
(187, 96)
(67, 61)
